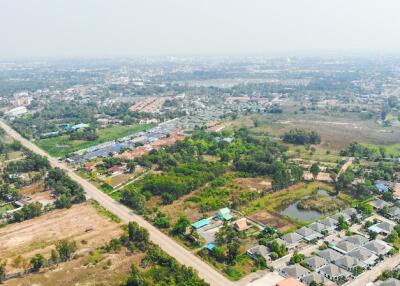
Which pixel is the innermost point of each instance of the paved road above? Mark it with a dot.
(170, 246)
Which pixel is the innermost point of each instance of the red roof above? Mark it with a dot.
(290, 281)
(116, 168)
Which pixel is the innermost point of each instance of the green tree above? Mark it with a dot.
(226, 234)
(137, 234)
(181, 225)
(314, 169)
(393, 236)
(296, 257)
(134, 199)
(65, 249)
(54, 257)
(162, 220)
(37, 262)
(219, 254)
(233, 252)
(135, 278)
(342, 224)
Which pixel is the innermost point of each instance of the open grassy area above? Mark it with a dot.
(61, 145)
(390, 150)
(5, 208)
(334, 127)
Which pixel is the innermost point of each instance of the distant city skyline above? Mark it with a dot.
(123, 28)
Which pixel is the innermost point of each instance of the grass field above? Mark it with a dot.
(390, 150)
(337, 129)
(5, 208)
(61, 145)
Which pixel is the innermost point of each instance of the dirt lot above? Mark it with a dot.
(273, 220)
(254, 184)
(33, 188)
(40, 234)
(77, 272)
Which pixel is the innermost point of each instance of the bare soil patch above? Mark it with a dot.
(273, 220)
(76, 272)
(256, 184)
(39, 235)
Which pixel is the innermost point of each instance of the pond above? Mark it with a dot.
(303, 215)
(298, 214)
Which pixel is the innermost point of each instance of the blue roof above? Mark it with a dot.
(382, 188)
(201, 223)
(211, 246)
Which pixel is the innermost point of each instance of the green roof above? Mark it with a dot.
(224, 213)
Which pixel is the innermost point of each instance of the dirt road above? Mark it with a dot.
(345, 166)
(170, 246)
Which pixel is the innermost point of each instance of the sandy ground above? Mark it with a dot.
(78, 272)
(40, 234)
(272, 220)
(256, 184)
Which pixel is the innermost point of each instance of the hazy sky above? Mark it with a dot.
(52, 28)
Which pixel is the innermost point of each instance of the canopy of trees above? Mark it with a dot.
(67, 191)
(301, 137)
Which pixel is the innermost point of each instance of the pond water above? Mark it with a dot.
(306, 215)
(323, 192)
(293, 212)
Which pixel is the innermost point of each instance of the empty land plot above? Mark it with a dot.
(274, 220)
(36, 187)
(337, 130)
(81, 272)
(258, 184)
(39, 235)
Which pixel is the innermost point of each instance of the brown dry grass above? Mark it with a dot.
(39, 235)
(273, 220)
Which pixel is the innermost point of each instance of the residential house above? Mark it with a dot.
(224, 214)
(116, 169)
(329, 223)
(344, 246)
(382, 187)
(296, 271)
(241, 224)
(308, 234)
(352, 212)
(389, 282)
(357, 239)
(394, 213)
(259, 250)
(383, 227)
(379, 204)
(341, 214)
(378, 247)
(318, 278)
(290, 281)
(292, 239)
(334, 273)
(329, 255)
(317, 226)
(349, 263)
(201, 223)
(365, 256)
(316, 262)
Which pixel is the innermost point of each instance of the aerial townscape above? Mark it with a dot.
(220, 170)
